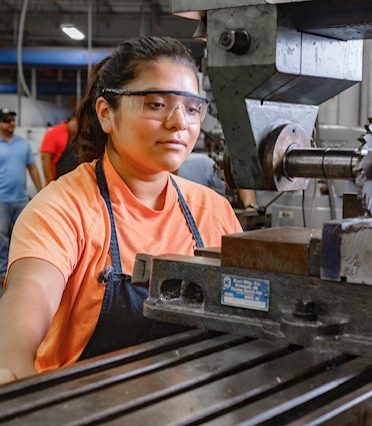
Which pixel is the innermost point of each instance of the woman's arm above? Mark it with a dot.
(34, 289)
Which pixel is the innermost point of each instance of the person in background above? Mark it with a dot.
(201, 168)
(58, 152)
(74, 246)
(15, 157)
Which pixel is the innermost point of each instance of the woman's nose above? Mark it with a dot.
(177, 118)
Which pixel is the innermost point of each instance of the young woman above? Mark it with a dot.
(69, 294)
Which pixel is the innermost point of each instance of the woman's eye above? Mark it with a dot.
(193, 109)
(154, 102)
(155, 105)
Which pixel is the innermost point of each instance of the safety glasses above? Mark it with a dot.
(161, 104)
(8, 120)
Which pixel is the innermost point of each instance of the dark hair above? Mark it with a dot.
(116, 71)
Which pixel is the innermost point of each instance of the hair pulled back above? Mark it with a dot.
(116, 71)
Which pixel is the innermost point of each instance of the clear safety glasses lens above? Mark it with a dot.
(161, 107)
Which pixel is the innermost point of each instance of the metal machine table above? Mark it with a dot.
(198, 377)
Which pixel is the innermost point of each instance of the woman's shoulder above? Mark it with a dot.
(60, 219)
(82, 174)
(77, 188)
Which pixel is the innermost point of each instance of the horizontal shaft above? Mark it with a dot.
(329, 163)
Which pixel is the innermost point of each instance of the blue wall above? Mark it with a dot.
(56, 56)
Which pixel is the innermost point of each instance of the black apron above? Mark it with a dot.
(69, 159)
(121, 322)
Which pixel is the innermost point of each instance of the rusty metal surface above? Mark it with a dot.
(243, 386)
(352, 409)
(196, 377)
(134, 385)
(214, 252)
(352, 206)
(284, 249)
(291, 402)
(106, 375)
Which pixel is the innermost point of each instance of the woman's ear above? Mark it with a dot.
(104, 114)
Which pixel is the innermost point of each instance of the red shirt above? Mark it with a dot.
(55, 141)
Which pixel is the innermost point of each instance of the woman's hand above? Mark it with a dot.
(6, 376)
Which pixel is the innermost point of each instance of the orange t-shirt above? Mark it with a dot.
(67, 224)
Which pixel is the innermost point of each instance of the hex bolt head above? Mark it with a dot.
(306, 309)
(234, 41)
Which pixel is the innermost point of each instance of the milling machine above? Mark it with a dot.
(271, 64)
(284, 315)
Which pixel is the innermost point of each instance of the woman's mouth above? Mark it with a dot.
(173, 142)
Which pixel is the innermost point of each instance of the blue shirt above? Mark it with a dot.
(15, 156)
(201, 169)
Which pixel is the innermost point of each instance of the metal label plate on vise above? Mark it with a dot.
(242, 292)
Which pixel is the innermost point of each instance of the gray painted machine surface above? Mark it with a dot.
(269, 67)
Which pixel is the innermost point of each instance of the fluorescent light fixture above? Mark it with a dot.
(72, 31)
